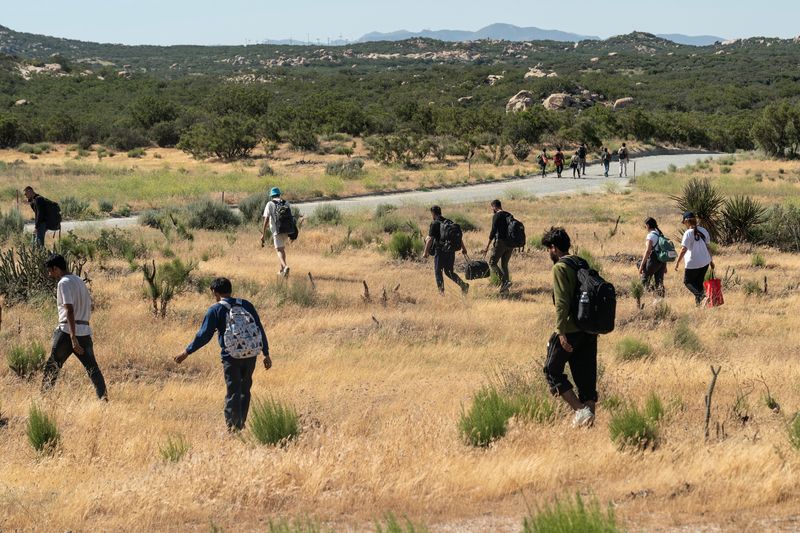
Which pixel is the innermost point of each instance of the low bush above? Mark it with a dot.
(571, 516)
(384, 209)
(630, 427)
(136, 153)
(299, 292)
(463, 221)
(273, 423)
(252, 207)
(684, 338)
(782, 228)
(105, 206)
(11, 225)
(211, 215)
(487, 418)
(405, 245)
(752, 288)
(174, 448)
(41, 431)
(326, 214)
(632, 349)
(347, 168)
(265, 170)
(72, 207)
(757, 260)
(26, 360)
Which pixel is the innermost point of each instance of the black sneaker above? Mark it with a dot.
(465, 289)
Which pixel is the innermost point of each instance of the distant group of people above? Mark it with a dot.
(578, 161)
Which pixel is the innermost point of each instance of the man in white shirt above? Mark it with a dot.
(73, 334)
(280, 226)
(623, 156)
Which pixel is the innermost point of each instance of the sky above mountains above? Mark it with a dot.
(250, 21)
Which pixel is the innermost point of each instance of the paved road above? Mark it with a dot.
(531, 186)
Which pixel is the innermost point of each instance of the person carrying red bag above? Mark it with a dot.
(696, 257)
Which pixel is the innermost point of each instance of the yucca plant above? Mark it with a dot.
(701, 198)
(740, 216)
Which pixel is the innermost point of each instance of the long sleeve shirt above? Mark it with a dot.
(565, 282)
(37, 205)
(215, 321)
(499, 227)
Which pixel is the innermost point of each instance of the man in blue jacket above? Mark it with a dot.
(241, 338)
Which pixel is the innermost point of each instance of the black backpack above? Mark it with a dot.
(516, 232)
(51, 215)
(594, 306)
(451, 238)
(284, 219)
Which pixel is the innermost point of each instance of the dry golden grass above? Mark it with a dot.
(380, 403)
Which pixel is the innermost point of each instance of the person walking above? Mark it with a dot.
(443, 244)
(696, 256)
(582, 157)
(650, 267)
(39, 205)
(568, 344)
(542, 159)
(575, 165)
(622, 155)
(73, 334)
(241, 339)
(558, 161)
(501, 249)
(605, 157)
(278, 218)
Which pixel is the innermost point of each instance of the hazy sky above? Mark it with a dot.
(240, 21)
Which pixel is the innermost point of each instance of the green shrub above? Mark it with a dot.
(782, 228)
(42, 431)
(272, 422)
(405, 245)
(136, 153)
(741, 216)
(391, 524)
(587, 256)
(297, 526)
(629, 427)
(342, 150)
(293, 291)
(384, 209)
(571, 516)
(757, 260)
(326, 214)
(705, 201)
(105, 206)
(631, 349)
(465, 223)
(11, 224)
(26, 360)
(265, 170)
(752, 288)
(794, 431)
(521, 151)
(637, 292)
(211, 215)
(684, 338)
(654, 408)
(252, 207)
(487, 417)
(347, 168)
(72, 207)
(174, 448)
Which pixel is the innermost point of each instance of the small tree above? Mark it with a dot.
(521, 151)
(228, 137)
(165, 282)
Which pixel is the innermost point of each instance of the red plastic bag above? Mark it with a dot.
(713, 289)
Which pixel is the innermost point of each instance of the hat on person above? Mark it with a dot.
(274, 192)
(687, 215)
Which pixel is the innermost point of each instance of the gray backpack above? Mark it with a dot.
(242, 335)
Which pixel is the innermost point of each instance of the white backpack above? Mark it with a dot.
(242, 335)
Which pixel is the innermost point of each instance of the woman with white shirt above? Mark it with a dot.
(696, 255)
(650, 267)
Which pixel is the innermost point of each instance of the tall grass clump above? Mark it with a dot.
(462, 220)
(405, 245)
(174, 448)
(571, 516)
(326, 214)
(26, 360)
(346, 168)
(391, 524)
(211, 215)
(701, 198)
(11, 224)
(487, 418)
(42, 431)
(273, 423)
(384, 209)
(757, 260)
(589, 257)
(299, 292)
(629, 427)
(632, 349)
(252, 207)
(297, 526)
(741, 216)
(72, 207)
(684, 338)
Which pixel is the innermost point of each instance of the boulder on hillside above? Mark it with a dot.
(623, 102)
(465, 99)
(522, 101)
(492, 79)
(21, 102)
(557, 101)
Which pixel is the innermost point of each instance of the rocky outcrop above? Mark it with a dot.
(465, 99)
(623, 102)
(21, 102)
(521, 101)
(492, 79)
(537, 72)
(558, 101)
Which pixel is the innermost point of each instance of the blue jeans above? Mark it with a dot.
(606, 167)
(238, 380)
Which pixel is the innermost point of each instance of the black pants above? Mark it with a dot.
(238, 380)
(560, 169)
(654, 270)
(693, 278)
(498, 261)
(543, 166)
(444, 263)
(576, 169)
(39, 234)
(60, 352)
(582, 362)
(583, 165)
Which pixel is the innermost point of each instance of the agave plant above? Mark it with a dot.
(701, 198)
(740, 216)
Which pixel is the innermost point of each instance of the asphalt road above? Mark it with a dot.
(530, 186)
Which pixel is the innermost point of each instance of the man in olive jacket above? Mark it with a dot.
(569, 344)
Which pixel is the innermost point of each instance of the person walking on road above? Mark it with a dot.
(73, 334)
(575, 165)
(241, 339)
(696, 255)
(279, 220)
(568, 344)
(605, 157)
(542, 159)
(558, 161)
(650, 267)
(622, 155)
(501, 249)
(443, 241)
(582, 157)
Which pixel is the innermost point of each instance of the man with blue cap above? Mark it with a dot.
(279, 219)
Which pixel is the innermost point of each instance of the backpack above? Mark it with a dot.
(582, 152)
(595, 302)
(242, 335)
(623, 153)
(516, 232)
(51, 215)
(451, 238)
(664, 249)
(284, 219)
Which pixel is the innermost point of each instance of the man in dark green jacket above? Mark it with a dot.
(569, 344)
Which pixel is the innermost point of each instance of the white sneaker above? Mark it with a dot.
(583, 418)
(286, 272)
